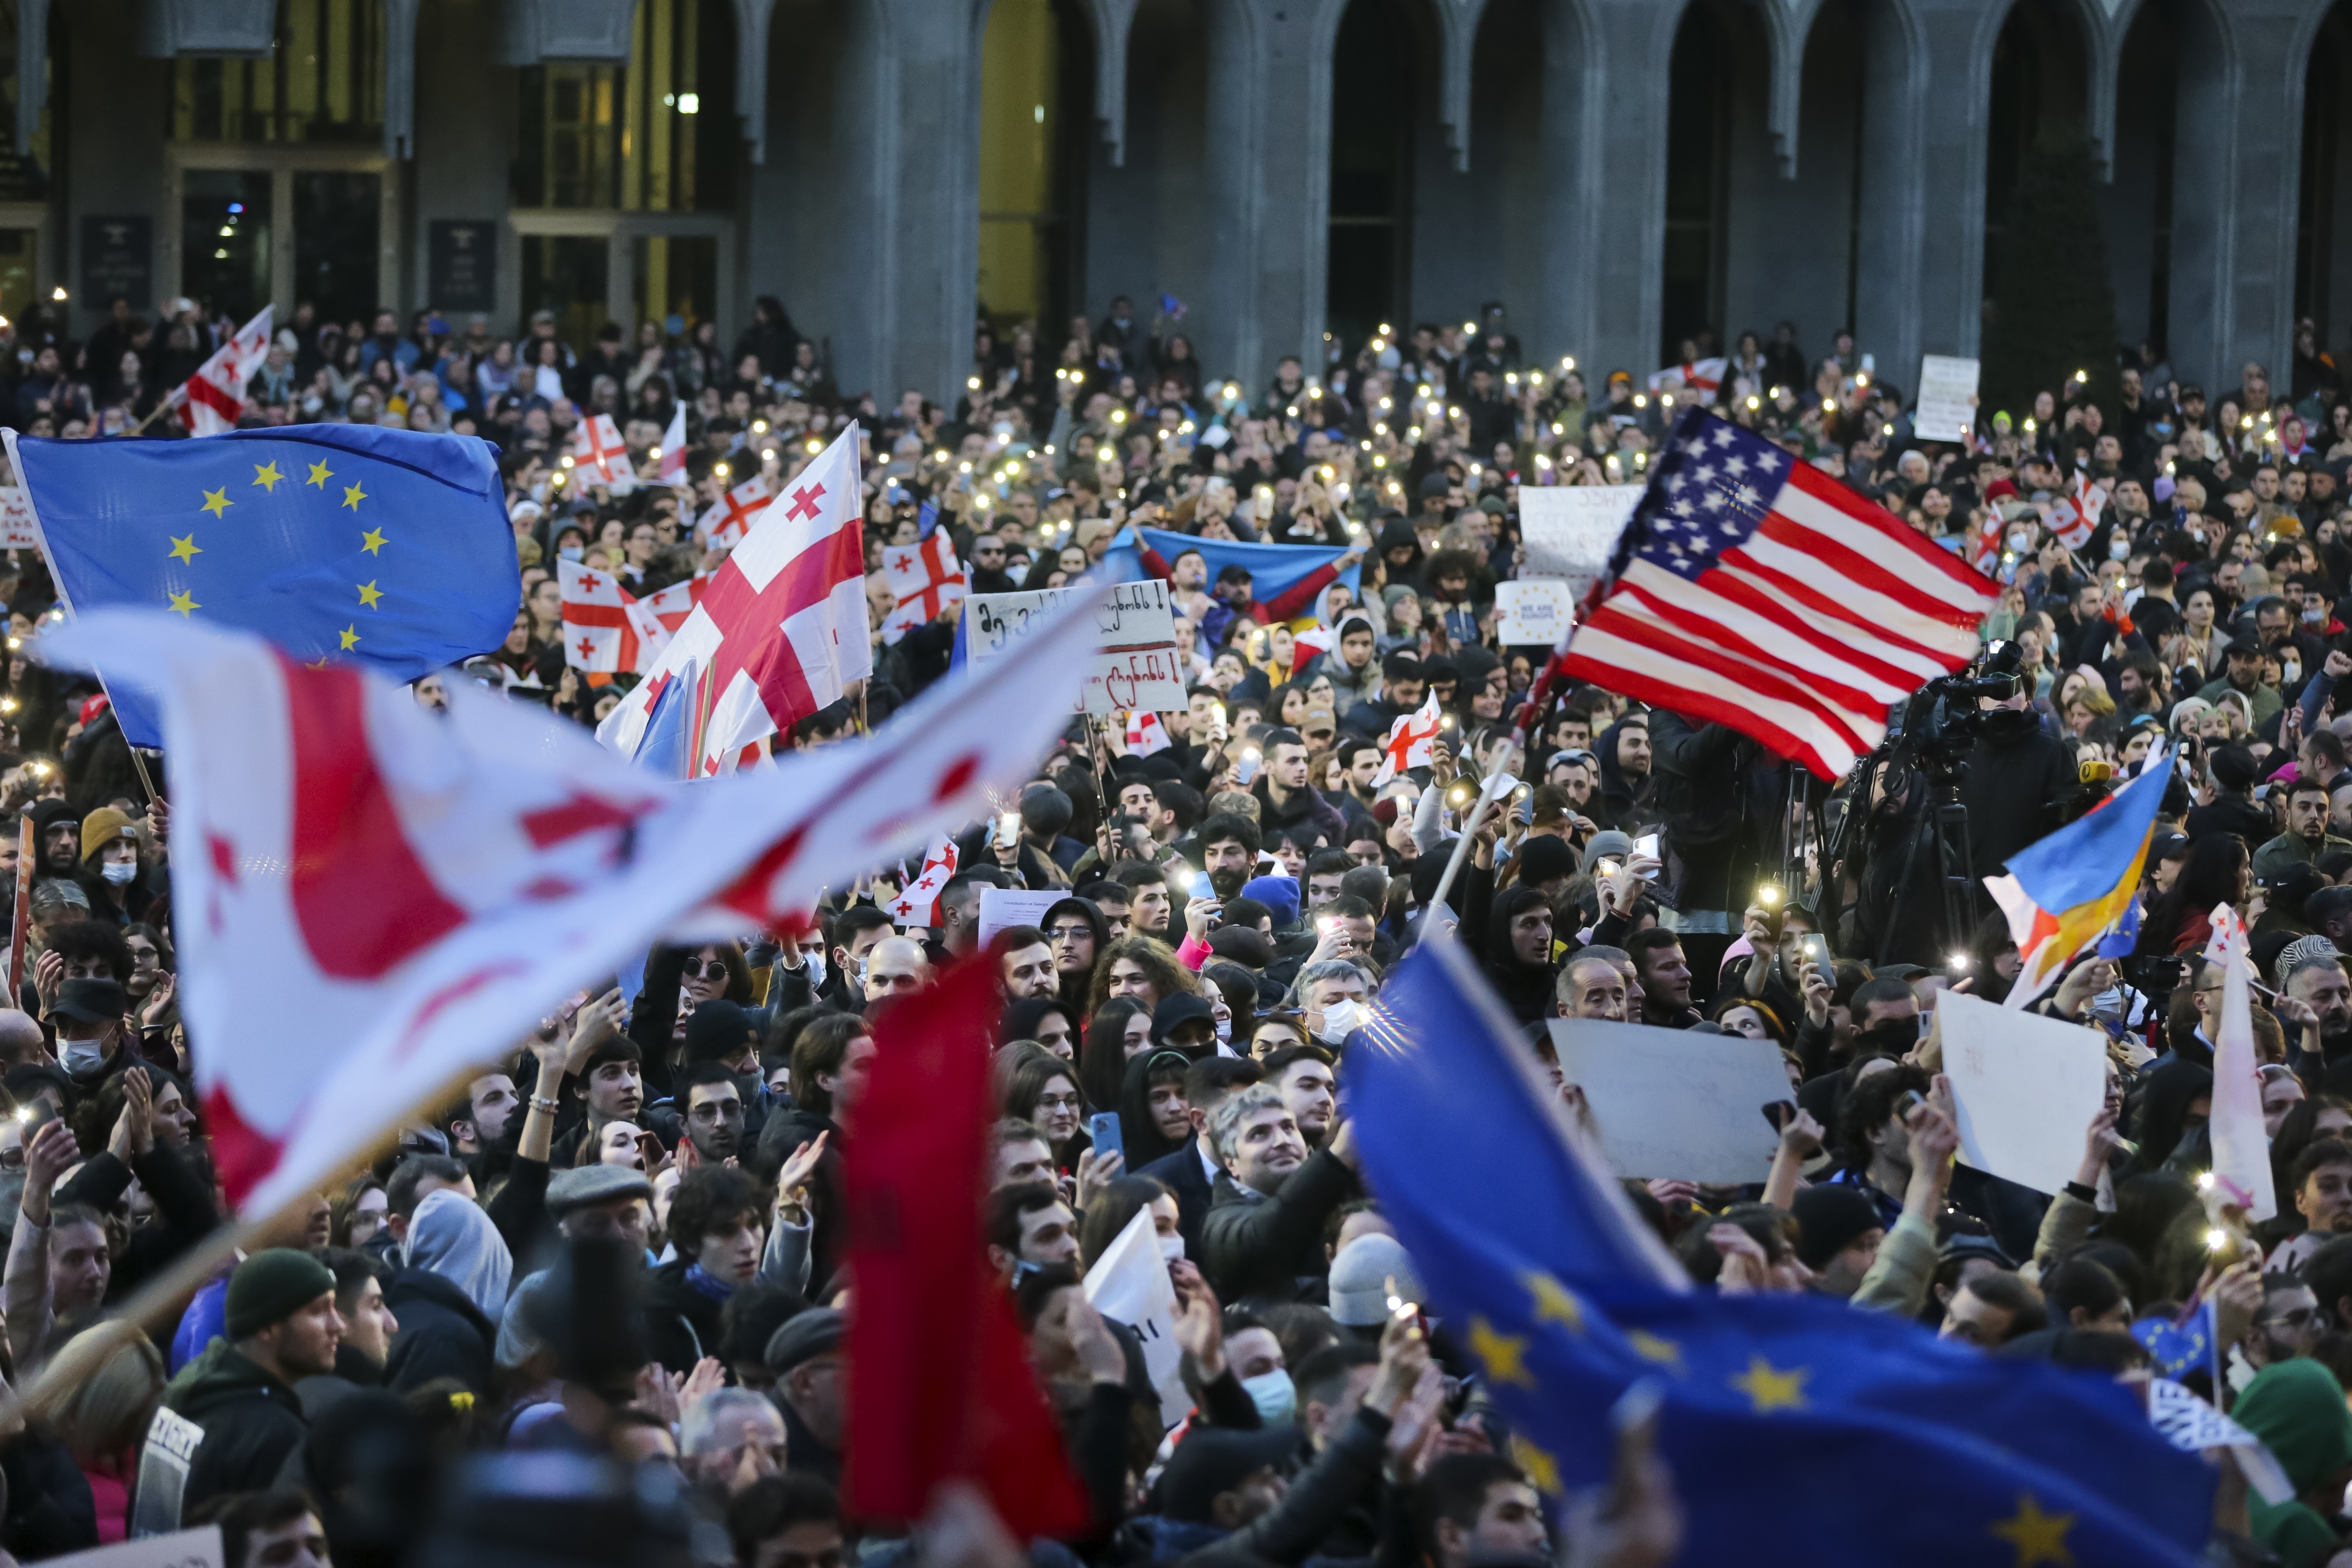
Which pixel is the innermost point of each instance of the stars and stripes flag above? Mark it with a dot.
(213, 400)
(780, 629)
(607, 629)
(672, 448)
(1753, 590)
(723, 525)
(598, 454)
(1412, 741)
(919, 903)
(2075, 517)
(926, 578)
(1146, 735)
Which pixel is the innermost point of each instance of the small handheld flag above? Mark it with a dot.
(2065, 891)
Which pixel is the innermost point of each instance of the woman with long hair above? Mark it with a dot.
(2217, 871)
(1042, 1090)
(1120, 1032)
(94, 1402)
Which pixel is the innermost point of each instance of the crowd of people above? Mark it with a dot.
(373, 1379)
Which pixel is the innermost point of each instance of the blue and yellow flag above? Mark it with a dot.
(2066, 891)
(1833, 1436)
(388, 548)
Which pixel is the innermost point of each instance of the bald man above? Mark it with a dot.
(895, 966)
(1592, 987)
(21, 1044)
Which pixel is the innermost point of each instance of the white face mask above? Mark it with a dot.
(82, 1057)
(2118, 548)
(2018, 539)
(1276, 1396)
(1224, 1027)
(1340, 1019)
(1171, 1248)
(119, 872)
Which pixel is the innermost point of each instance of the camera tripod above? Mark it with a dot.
(1949, 826)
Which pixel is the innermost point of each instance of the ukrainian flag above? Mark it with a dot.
(2064, 893)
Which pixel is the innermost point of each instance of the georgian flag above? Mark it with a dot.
(212, 400)
(673, 447)
(723, 525)
(1305, 646)
(1706, 375)
(919, 903)
(423, 888)
(1412, 741)
(926, 578)
(2075, 517)
(607, 629)
(780, 629)
(1145, 734)
(598, 452)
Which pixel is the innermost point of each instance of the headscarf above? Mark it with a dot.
(454, 1239)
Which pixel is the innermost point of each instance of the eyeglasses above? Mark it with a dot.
(1068, 933)
(2301, 1318)
(1057, 1101)
(703, 968)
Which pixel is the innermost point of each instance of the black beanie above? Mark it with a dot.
(271, 1286)
(1828, 1220)
(1544, 858)
(717, 1027)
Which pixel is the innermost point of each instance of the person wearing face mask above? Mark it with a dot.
(1335, 994)
(2018, 781)
(110, 871)
(87, 1015)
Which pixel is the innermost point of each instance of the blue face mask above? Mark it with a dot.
(1274, 1396)
(571, 552)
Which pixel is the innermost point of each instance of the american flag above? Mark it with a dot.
(1754, 590)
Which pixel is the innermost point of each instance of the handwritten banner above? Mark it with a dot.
(1571, 531)
(1136, 664)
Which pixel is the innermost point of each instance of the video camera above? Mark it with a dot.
(1942, 720)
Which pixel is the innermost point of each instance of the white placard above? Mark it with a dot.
(1670, 1104)
(1947, 390)
(1003, 906)
(181, 1549)
(1136, 665)
(2025, 1085)
(1130, 1284)
(1571, 531)
(1534, 610)
(16, 519)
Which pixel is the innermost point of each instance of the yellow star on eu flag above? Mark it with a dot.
(2038, 1537)
(267, 476)
(1540, 1466)
(218, 501)
(1650, 1347)
(373, 540)
(319, 474)
(185, 602)
(353, 495)
(369, 594)
(185, 548)
(1503, 1354)
(1772, 1389)
(1553, 1303)
(351, 637)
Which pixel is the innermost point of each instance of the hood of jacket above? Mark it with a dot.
(220, 1376)
(453, 1238)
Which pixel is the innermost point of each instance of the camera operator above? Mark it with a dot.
(2017, 782)
(1897, 913)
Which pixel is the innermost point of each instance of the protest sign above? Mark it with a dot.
(1667, 1103)
(16, 531)
(1533, 609)
(1003, 906)
(181, 1549)
(1136, 664)
(1947, 388)
(2025, 1086)
(1569, 530)
(1130, 1284)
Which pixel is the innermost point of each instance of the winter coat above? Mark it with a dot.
(443, 1333)
(236, 1425)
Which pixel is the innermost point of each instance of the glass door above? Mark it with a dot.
(337, 216)
(225, 240)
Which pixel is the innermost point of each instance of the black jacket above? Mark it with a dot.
(247, 1423)
(681, 1323)
(2015, 791)
(442, 1334)
(786, 1129)
(1717, 793)
(1270, 1250)
(1181, 1174)
(185, 1213)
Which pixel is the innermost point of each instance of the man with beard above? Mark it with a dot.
(1229, 849)
(1897, 917)
(2317, 997)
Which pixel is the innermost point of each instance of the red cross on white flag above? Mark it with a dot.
(781, 629)
(919, 904)
(2075, 517)
(672, 448)
(598, 455)
(213, 400)
(1146, 735)
(723, 525)
(926, 578)
(1412, 741)
(607, 629)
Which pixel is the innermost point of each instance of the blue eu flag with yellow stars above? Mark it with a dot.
(386, 548)
(1815, 1431)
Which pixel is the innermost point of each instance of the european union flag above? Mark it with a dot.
(1843, 1436)
(389, 548)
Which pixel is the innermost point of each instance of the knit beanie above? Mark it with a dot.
(102, 827)
(1829, 1219)
(271, 1286)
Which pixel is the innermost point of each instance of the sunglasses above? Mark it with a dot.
(703, 968)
